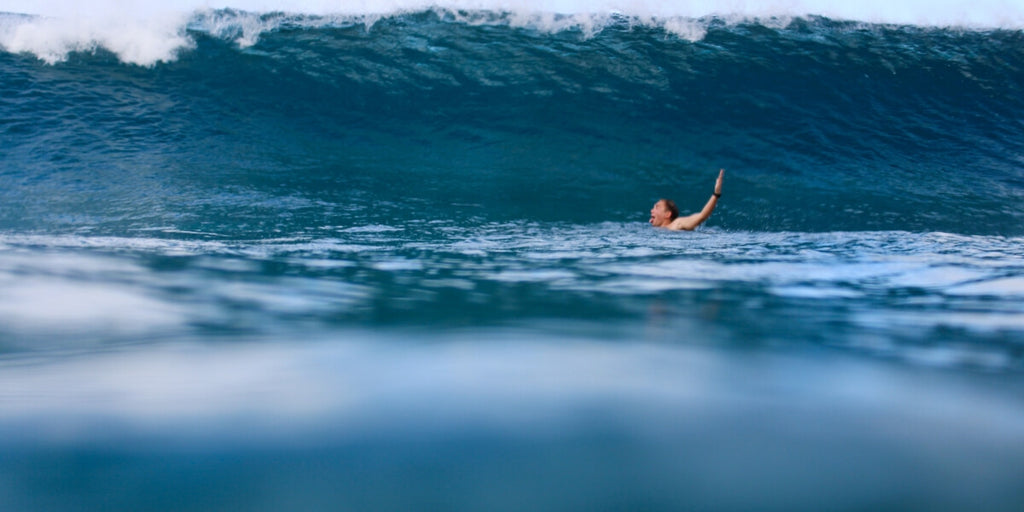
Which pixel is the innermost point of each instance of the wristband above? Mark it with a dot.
(716, 194)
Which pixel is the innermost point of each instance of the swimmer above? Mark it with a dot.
(665, 214)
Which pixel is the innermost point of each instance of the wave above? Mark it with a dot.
(274, 121)
(146, 33)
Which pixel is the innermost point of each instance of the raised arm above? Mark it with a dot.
(691, 222)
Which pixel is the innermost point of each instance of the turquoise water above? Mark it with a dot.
(405, 265)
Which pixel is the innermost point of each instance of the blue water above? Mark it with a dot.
(302, 262)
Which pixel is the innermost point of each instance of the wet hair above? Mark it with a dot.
(671, 205)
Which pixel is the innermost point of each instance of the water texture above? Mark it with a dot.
(398, 259)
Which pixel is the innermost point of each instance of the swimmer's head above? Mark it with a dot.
(663, 212)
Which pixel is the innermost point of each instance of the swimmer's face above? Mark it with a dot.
(660, 215)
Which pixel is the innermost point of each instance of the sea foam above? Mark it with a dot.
(146, 33)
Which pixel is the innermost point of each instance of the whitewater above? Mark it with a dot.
(148, 32)
(394, 255)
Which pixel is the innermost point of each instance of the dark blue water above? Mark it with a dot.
(404, 265)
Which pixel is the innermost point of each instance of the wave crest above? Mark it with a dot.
(148, 33)
(144, 42)
(160, 39)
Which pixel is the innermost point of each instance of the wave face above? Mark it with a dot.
(822, 125)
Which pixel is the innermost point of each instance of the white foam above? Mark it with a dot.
(143, 41)
(149, 32)
(991, 13)
(943, 12)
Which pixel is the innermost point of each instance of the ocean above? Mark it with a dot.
(395, 256)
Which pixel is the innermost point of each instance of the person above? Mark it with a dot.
(665, 214)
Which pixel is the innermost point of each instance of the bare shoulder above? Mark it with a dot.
(683, 223)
